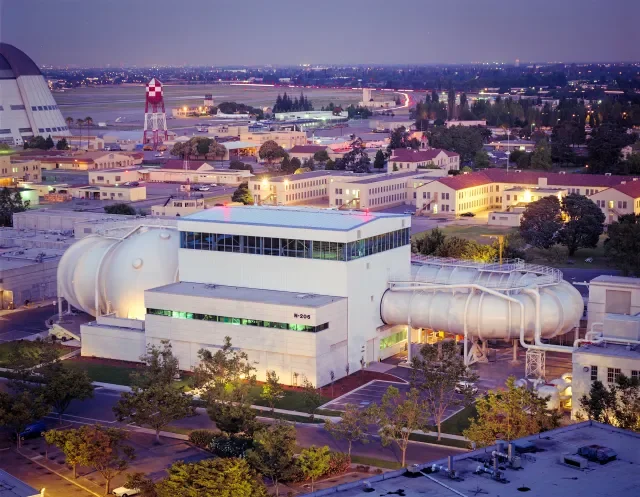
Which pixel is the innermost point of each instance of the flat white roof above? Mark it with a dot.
(542, 473)
(608, 280)
(289, 217)
(245, 294)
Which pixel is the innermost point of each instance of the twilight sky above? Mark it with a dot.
(250, 32)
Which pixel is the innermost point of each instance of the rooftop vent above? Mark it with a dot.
(598, 453)
(574, 460)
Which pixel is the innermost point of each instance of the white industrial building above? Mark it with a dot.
(27, 107)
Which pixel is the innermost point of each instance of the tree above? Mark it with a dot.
(314, 462)
(222, 477)
(466, 169)
(436, 373)
(227, 377)
(270, 151)
(62, 144)
(378, 162)
(123, 209)
(295, 164)
(63, 385)
(10, 204)
(584, 225)
(541, 222)
(49, 143)
(105, 450)
(321, 156)
(617, 405)
(352, 427)
(143, 483)
(153, 400)
(541, 156)
(607, 140)
(481, 159)
(330, 165)
(70, 442)
(272, 390)
(464, 140)
(236, 165)
(88, 121)
(274, 451)
(242, 194)
(398, 416)
(356, 160)
(202, 146)
(510, 414)
(69, 121)
(311, 397)
(622, 245)
(20, 410)
(429, 243)
(217, 150)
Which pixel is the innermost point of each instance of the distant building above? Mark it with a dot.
(304, 152)
(178, 207)
(27, 107)
(15, 171)
(409, 159)
(89, 160)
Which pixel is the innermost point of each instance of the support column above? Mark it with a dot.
(484, 348)
(514, 358)
(409, 351)
(59, 308)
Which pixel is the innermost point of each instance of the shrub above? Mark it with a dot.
(338, 463)
(203, 438)
(230, 446)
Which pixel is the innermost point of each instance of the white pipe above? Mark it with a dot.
(535, 291)
(443, 485)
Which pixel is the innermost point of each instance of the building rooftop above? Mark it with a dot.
(192, 165)
(17, 257)
(306, 149)
(301, 176)
(244, 294)
(610, 350)
(236, 145)
(10, 486)
(534, 189)
(609, 280)
(542, 473)
(631, 188)
(289, 217)
(385, 177)
(409, 155)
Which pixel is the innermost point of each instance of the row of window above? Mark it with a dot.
(238, 321)
(387, 199)
(622, 204)
(387, 188)
(310, 194)
(49, 130)
(613, 374)
(35, 108)
(287, 247)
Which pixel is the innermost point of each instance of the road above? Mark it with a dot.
(99, 409)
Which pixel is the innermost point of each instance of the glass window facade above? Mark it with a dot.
(238, 321)
(393, 339)
(289, 247)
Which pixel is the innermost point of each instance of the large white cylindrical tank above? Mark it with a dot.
(487, 316)
(127, 267)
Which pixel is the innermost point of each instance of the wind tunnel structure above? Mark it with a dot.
(486, 299)
(103, 274)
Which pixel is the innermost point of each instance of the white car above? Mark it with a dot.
(203, 189)
(125, 492)
(159, 155)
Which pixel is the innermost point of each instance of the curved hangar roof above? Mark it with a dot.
(15, 63)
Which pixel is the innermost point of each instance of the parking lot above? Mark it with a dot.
(372, 393)
(19, 324)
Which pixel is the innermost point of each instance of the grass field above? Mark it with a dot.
(477, 233)
(24, 348)
(104, 373)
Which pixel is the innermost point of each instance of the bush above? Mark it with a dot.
(230, 446)
(338, 463)
(203, 438)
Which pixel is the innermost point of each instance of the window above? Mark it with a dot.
(17, 107)
(5, 131)
(635, 375)
(613, 374)
(594, 373)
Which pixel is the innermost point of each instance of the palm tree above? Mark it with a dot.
(89, 122)
(69, 121)
(80, 123)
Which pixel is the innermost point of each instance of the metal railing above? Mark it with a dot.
(511, 269)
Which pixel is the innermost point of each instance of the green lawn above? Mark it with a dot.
(25, 348)
(473, 232)
(105, 373)
(373, 461)
(459, 421)
(558, 257)
(292, 400)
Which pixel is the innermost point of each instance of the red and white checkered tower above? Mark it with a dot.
(155, 118)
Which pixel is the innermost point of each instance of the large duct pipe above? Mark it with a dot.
(455, 300)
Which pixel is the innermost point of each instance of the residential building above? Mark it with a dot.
(304, 152)
(408, 159)
(113, 176)
(291, 189)
(619, 200)
(194, 171)
(373, 191)
(15, 171)
(286, 139)
(121, 193)
(90, 160)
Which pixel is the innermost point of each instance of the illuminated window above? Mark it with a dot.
(594, 373)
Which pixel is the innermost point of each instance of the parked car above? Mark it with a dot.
(134, 183)
(33, 430)
(203, 188)
(465, 385)
(409, 213)
(125, 492)
(468, 214)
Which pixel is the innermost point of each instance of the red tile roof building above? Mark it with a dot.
(406, 158)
